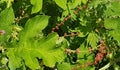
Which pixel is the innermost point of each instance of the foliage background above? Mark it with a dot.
(59, 34)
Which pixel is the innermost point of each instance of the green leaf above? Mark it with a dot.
(116, 35)
(45, 49)
(6, 20)
(37, 5)
(92, 39)
(113, 23)
(74, 4)
(29, 57)
(61, 3)
(84, 1)
(9, 3)
(64, 66)
(84, 50)
(50, 49)
(113, 9)
(84, 56)
(34, 26)
(14, 61)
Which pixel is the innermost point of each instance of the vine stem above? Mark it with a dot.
(106, 66)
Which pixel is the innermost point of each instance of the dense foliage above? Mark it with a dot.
(59, 34)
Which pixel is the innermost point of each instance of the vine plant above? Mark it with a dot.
(59, 34)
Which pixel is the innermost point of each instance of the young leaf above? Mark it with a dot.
(61, 3)
(92, 39)
(37, 5)
(84, 55)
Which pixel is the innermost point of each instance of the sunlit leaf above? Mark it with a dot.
(61, 3)
(92, 39)
(37, 5)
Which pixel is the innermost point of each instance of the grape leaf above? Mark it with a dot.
(34, 26)
(74, 4)
(64, 66)
(61, 3)
(85, 56)
(116, 35)
(113, 23)
(44, 49)
(92, 39)
(37, 5)
(113, 9)
(6, 20)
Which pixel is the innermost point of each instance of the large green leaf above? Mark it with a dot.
(44, 49)
(6, 19)
(37, 5)
(50, 49)
(61, 3)
(92, 39)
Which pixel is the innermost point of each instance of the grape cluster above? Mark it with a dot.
(61, 24)
(101, 53)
